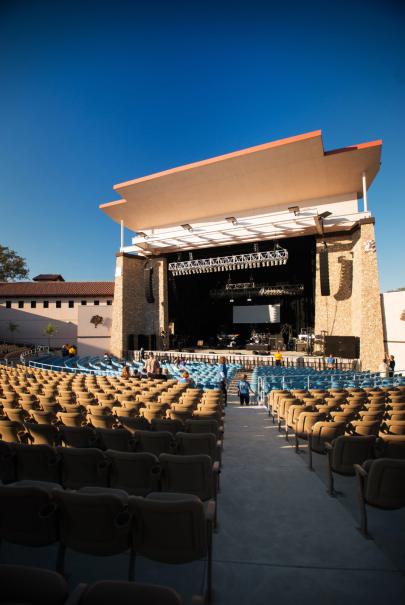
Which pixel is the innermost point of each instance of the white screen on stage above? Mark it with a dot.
(256, 314)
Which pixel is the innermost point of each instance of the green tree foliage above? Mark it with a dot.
(12, 266)
(49, 331)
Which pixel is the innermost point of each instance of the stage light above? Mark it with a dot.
(187, 227)
(231, 300)
(249, 299)
(294, 209)
(142, 234)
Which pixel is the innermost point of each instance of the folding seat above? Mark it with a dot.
(202, 425)
(283, 407)
(93, 523)
(293, 412)
(84, 467)
(37, 463)
(149, 415)
(321, 433)
(28, 515)
(72, 436)
(7, 462)
(199, 443)
(398, 407)
(303, 425)
(202, 414)
(342, 416)
(102, 421)
(49, 405)
(12, 432)
(174, 528)
(32, 586)
(71, 419)
(114, 439)
(195, 474)
(370, 416)
(136, 473)
(154, 442)
(72, 408)
(132, 407)
(158, 408)
(134, 423)
(391, 446)
(183, 415)
(390, 427)
(166, 424)
(127, 593)
(395, 416)
(28, 402)
(16, 415)
(346, 451)
(382, 485)
(42, 434)
(41, 417)
(364, 427)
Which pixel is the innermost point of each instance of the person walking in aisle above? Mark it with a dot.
(244, 389)
(223, 378)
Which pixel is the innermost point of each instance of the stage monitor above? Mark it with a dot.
(256, 314)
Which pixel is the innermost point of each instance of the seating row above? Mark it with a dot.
(35, 586)
(171, 528)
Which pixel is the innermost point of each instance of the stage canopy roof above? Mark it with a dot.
(267, 178)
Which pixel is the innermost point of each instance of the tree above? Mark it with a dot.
(12, 266)
(50, 330)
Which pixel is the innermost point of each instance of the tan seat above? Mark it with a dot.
(136, 473)
(382, 485)
(31, 585)
(346, 451)
(321, 433)
(128, 593)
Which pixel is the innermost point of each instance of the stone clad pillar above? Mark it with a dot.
(132, 313)
(353, 307)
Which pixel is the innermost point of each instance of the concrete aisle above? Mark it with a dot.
(282, 539)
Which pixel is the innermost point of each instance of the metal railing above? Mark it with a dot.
(251, 361)
(58, 368)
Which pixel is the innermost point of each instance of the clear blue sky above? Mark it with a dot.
(95, 93)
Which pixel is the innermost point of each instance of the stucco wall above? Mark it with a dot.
(394, 326)
(92, 340)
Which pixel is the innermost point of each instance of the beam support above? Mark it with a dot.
(364, 181)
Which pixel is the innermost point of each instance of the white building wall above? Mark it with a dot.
(31, 322)
(394, 326)
(92, 340)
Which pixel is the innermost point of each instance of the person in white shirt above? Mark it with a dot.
(384, 369)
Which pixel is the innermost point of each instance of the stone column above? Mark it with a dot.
(132, 313)
(353, 307)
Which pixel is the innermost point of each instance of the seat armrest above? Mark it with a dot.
(75, 597)
(210, 510)
(360, 470)
(215, 467)
(328, 446)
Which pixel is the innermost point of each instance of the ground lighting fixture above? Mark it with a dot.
(294, 209)
(232, 219)
(187, 227)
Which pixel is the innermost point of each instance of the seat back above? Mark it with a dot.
(154, 442)
(323, 432)
(135, 472)
(114, 439)
(170, 529)
(93, 523)
(349, 450)
(27, 516)
(129, 593)
(198, 443)
(84, 467)
(42, 434)
(385, 486)
(31, 585)
(188, 475)
(37, 463)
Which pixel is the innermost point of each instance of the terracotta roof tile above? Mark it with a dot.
(62, 289)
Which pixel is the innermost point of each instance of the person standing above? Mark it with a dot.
(278, 357)
(383, 369)
(391, 365)
(330, 362)
(152, 365)
(223, 378)
(244, 389)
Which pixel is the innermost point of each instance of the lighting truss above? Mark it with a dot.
(249, 289)
(254, 260)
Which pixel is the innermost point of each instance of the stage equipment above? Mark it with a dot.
(148, 284)
(324, 272)
(294, 209)
(343, 346)
(254, 260)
